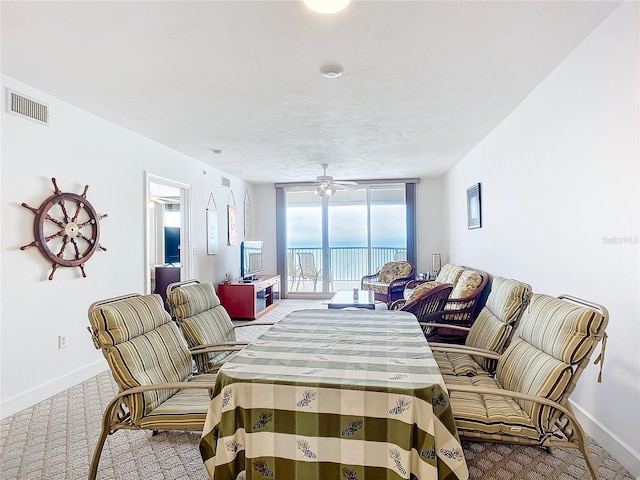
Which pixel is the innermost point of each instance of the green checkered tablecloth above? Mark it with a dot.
(333, 394)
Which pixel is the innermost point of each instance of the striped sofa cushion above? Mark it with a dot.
(491, 414)
(203, 320)
(143, 347)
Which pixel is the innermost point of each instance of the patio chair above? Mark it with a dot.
(151, 363)
(307, 269)
(292, 271)
(527, 400)
(491, 331)
(205, 323)
(426, 305)
(389, 282)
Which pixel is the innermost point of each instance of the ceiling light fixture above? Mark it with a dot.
(327, 7)
(331, 71)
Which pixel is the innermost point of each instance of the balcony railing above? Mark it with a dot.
(349, 264)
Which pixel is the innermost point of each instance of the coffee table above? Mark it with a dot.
(345, 299)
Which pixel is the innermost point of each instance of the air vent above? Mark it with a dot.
(28, 108)
(226, 182)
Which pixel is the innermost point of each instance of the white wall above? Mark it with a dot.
(77, 149)
(560, 179)
(430, 223)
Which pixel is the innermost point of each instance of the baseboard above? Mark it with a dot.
(42, 392)
(617, 448)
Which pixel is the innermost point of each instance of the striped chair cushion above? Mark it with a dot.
(559, 328)
(458, 364)
(118, 322)
(191, 299)
(526, 369)
(492, 328)
(508, 298)
(203, 320)
(490, 414)
(156, 355)
(186, 409)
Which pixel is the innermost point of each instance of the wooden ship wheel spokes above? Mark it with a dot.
(66, 229)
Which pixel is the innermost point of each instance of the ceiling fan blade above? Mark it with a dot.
(346, 185)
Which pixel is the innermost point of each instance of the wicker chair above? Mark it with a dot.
(389, 283)
(461, 309)
(527, 401)
(205, 323)
(151, 363)
(426, 305)
(491, 331)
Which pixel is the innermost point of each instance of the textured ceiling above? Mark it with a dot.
(423, 83)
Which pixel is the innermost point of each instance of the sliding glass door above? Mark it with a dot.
(331, 242)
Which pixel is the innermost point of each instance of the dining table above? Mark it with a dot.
(346, 394)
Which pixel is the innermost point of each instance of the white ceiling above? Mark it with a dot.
(423, 83)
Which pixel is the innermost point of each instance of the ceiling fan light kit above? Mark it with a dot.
(328, 186)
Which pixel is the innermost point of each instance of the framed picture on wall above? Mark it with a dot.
(212, 232)
(231, 219)
(474, 207)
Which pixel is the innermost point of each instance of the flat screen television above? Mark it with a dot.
(171, 245)
(251, 259)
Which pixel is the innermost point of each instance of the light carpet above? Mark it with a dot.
(55, 439)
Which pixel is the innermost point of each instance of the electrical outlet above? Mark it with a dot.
(62, 341)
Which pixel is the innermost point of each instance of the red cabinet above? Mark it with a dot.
(250, 300)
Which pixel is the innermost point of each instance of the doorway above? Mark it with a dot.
(168, 252)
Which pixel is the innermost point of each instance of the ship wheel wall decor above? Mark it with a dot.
(66, 229)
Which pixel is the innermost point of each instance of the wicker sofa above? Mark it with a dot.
(465, 301)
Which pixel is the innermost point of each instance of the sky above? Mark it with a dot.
(347, 226)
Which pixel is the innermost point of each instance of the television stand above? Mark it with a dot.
(250, 300)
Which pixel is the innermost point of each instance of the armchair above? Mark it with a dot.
(460, 310)
(491, 331)
(205, 323)
(527, 400)
(151, 363)
(388, 284)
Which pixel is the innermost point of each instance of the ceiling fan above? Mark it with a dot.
(328, 186)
